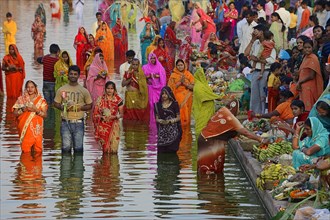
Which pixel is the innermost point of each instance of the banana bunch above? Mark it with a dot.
(273, 172)
(272, 150)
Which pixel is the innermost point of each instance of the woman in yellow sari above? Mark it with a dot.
(181, 83)
(105, 41)
(61, 70)
(30, 110)
(153, 45)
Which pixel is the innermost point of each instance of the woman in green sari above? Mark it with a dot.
(61, 70)
(203, 101)
(321, 109)
(314, 145)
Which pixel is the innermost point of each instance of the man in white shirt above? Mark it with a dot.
(269, 8)
(259, 81)
(321, 12)
(245, 29)
(97, 23)
(130, 54)
(260, 10)
(327, 7)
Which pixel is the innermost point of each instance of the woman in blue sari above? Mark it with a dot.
(321, 109)
(146, 37)
(314, 145)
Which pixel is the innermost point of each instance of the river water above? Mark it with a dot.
(135, 184)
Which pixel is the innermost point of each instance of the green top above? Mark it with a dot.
(203, 101)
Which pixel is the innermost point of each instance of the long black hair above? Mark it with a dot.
(275, 14)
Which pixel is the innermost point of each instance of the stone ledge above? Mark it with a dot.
(253, 168)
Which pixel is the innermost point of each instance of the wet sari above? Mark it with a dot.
(80, 41)
(29, 124)
(170, 42)
(105, 41)
(320, 137)
(167, 61)
(153, 45)
(38, 30)
(183, 95)
(145, 40)
(14, 76)
(107, 130)
(222, 126)
(119, 33)
(61, 71)
(97, 77)
(136, 102)
(203, 101)
(169, 135)
(156, 80)
(310, 90)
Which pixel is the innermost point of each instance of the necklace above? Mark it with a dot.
(167, 104)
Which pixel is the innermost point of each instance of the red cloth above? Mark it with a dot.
(80, 41)
(166, 62)
(48, 67)
(119, 33)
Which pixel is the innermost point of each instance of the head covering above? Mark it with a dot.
(19, 58)
(23, 100)
(169, 92)
(325, 97)
(150, 68)
(61, 60)
(320, 137)
(97, 66)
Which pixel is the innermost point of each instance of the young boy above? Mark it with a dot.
(268, 45)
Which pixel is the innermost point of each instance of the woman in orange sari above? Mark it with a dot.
(30, 110)
(107, 111)
(181, 83)
(105, 41)
(14, 67)
(310, 78)
(212, 141)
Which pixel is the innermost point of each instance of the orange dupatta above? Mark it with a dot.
(106, 44)
(17, 61)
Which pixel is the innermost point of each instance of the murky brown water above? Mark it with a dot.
(135, 184)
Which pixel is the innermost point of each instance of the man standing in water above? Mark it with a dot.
(73, 100)
(48, 61)
(9, 30)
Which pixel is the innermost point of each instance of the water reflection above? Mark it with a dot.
(106, 184)
(29, 182)
(71, 189)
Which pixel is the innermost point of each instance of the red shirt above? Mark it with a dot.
(48, 69)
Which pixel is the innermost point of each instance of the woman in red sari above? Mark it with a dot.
(80, 41)
(107, 111)
(89, 47)
(171, 41)
(1, 84)
(30, 110)
(164, 58)
(14, 67)
(119, 33)
(208, 26)
(231, 15)
(310, 78)
(213, 139)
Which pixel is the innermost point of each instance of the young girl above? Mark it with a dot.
(273, 84)
(107, 111)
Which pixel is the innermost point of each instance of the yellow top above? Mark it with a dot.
(294, 19)
(274, 81)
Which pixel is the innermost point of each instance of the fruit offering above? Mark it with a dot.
(262, 152)
(272, 173)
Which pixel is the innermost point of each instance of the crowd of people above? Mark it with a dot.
(282, 53)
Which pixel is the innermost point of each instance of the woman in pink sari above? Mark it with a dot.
(208, 26)
(195, 25)
(156, 80)
(97, 76)
(231, 15)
